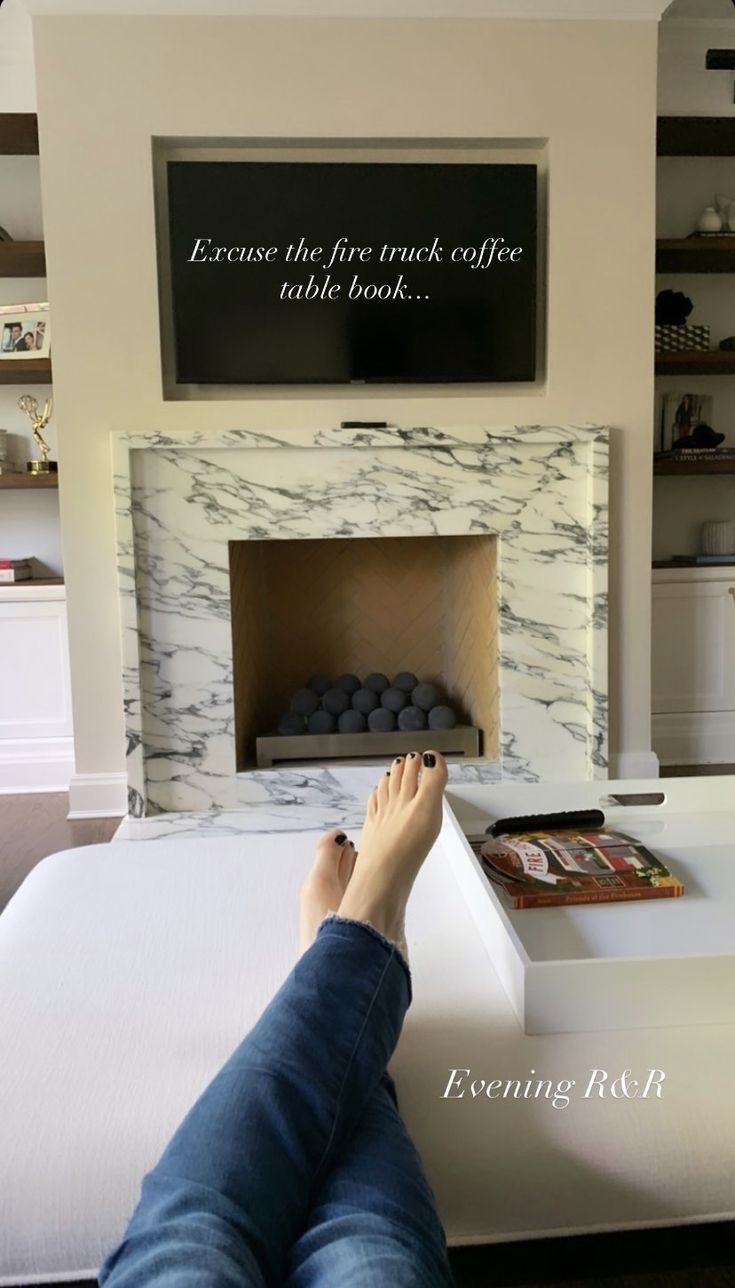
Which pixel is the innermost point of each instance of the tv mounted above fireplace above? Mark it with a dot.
(341, 272)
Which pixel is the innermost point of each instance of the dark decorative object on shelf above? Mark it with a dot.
(320, 684)
(322, 722)
(702, 436)
(671, 332)
(305, 702)
(377, 682)
(425, 696)
(4, 234)
(442, 718)
(335, 701)
(412, 719)
(376, 706)
(381, 720)
(349, 683)
(672, 308)
(406, 681)
(352, 722)
(728, 343)
(394, 699)
(365, 701)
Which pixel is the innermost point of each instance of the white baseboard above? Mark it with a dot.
(634, 764)
(695, 738)
(98, 796)
(35, 765)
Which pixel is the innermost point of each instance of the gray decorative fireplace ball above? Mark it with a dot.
(394, 699)
(442, 717)
(406, 681)
(425, 696)
(322, 722)
(349, 683)
(335, 701)
(365, 701)
(381, 720)
(377, 682)
(352, 722)
(412, 719)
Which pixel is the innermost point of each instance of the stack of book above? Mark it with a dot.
(12, 570)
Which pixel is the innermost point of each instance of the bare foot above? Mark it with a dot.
(404, 816)
(324, 888)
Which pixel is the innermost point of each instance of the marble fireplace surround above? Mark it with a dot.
(180, 498)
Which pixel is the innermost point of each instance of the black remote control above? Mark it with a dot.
(540, 822)
(365, 424)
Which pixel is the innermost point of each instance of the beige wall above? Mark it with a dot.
(106, 85)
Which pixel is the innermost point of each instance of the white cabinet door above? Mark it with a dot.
(693, 641)
(36, 743)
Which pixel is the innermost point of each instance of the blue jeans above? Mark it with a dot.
(294, 1166)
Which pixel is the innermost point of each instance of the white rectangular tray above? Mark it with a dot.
(613, 966)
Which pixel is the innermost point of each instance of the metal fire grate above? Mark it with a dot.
(464, 740)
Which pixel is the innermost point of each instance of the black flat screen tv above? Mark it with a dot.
(340, 272)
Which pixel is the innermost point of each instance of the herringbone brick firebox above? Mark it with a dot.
(421, 604)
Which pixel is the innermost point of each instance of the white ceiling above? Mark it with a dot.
(650, 10)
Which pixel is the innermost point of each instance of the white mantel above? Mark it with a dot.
(542, 490)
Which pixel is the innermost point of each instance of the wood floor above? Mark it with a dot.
(35, 825)
(699, 1256)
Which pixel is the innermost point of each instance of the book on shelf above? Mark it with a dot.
(12, 570)
(703, 560)
(685, 455)
(557, 867)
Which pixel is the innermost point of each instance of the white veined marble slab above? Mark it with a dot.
(542, 490)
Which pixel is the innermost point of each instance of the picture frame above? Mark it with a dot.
(680, 413)
(25, 332)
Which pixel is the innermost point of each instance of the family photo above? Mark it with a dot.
(24, 331)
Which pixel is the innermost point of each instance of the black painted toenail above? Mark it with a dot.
(387, 773)
(412, 755)
(398, 760)
(340, 840)
(429, 760)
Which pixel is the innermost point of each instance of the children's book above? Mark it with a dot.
(551, 868)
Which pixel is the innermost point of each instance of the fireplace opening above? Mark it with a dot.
(329, 607)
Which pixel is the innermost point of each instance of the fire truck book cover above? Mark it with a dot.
(554, 868)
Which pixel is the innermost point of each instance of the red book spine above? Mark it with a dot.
(599, 896)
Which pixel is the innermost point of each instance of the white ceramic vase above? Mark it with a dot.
(709, 221)
(717, 537)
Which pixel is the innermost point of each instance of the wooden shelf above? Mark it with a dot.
(22, 259)
(18, 134)
(25, 371)
(695, 136)
(29, 480)
(685, 467)
(689, 563)
(704, 362)
(695, 255)
(30, 582)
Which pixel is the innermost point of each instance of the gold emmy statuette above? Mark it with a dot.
(39, 420)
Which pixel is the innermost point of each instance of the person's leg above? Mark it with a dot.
(373, 1221)
(232, 1191)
